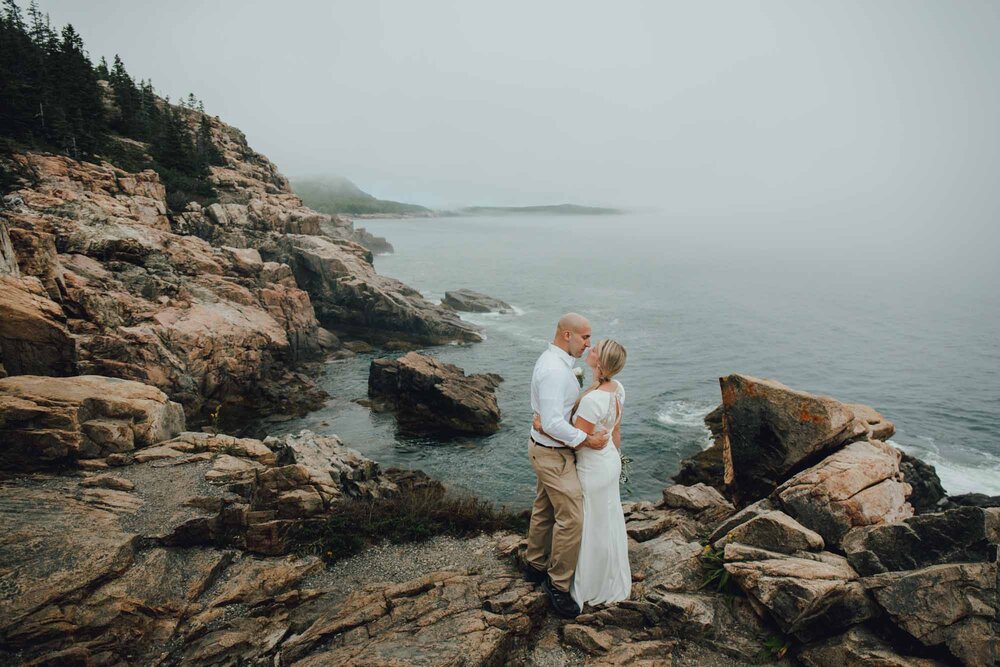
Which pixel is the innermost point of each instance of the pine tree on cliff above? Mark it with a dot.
(82, 126)
(208, 153)
(128, 98)
(16, 96)
(50, 99)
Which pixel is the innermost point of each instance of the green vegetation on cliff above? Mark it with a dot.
(335, 194)
(53, 98)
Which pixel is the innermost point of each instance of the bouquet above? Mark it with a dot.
(626, 469)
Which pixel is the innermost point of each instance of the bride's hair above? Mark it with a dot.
(611, 357)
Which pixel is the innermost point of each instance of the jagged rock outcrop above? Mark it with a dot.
(466, 300)
(432, 396)
(974, 500)
(860, 485)
(773, 531)
(954, 604)
(151, 543)
(964, 535)
(809, 595)
(350, 298)
(342, 227)
(441, 618)
(907, 581)
(8, 262)
(859, 647)
(926, 492)
(100, 276)
(34, 337)
(57, 420)
(770, 430)
(141, 302)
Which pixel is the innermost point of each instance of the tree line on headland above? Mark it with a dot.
(52, 97)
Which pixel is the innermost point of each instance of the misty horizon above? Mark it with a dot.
(875, 118)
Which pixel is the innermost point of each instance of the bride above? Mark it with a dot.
(602, 571)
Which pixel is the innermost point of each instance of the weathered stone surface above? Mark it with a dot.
(975, 500)
(808, 595)
(699, 498)
(193, 319)
(48, 420)
(964, 535)
(587, 639)
(330, 467)
(651, 653)
(432, 396)
(8, 260)
(926, 492)
(247, 448)
(859, 647)
(108, 482)
(758, 508)
(442, 618)
(466, 300)
(857, 486)
(774, 531)
(232, 470)
(350, 298)
(667, 563)
(707, 467)
(33, 333)
(692, 614)
(142, 565)
(770, 430)
(53, 544)
(644, 521)
(953, 604)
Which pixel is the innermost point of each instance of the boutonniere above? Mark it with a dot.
(578, 372)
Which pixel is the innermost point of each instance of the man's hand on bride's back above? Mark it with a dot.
(596, 440)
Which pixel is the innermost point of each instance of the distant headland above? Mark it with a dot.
(555, 209)
(338, 195)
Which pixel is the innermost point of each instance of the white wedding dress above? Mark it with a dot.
(602, 571)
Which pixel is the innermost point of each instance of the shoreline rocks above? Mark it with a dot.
(214, 305)
(46, 421)
(177, 551)
(351, 299)
(435, 397)
(770, 430)
(466, 300)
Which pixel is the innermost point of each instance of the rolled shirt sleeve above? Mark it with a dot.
(551, 403)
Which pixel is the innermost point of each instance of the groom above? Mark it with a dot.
(557, 515)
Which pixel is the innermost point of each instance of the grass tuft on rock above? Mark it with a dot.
(413, 515)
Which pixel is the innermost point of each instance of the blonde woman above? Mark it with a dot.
(602, 571)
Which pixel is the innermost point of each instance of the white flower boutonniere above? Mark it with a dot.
(578, 372)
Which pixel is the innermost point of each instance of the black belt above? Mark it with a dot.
(547, 446)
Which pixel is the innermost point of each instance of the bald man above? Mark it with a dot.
(557, 515)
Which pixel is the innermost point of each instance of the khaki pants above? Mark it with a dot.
(557, 515)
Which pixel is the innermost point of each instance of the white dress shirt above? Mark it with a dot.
(554, 389)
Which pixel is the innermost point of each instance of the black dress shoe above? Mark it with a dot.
(562, 603)
(533, 575)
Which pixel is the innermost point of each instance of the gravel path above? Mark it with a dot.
(402, 562)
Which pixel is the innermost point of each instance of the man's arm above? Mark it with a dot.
(550, 405)
(592, 441)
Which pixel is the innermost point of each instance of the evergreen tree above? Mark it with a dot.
(50, 98)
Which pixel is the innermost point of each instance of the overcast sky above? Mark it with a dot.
(869, 109)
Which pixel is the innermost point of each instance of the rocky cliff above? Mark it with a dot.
(216, 305)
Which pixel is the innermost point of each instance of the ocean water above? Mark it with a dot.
(855, 318)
